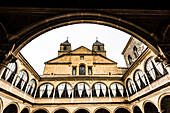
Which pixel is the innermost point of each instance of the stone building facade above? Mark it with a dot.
(86, 81)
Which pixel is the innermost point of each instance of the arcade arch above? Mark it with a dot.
(82, 111)
(12, 108)
(102, 110)
(136, 109)
(150, 108)
(122, 110)
(84, 17)
(25, 110)
(165, 104)
(61, 111)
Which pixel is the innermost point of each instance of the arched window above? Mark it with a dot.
(82, 70)
(31, 87)
(130, 87)
(74, 71)
(21, 80)
(99, 90)
(140, 79)
(117, 90)
(82, 90)
(45, 91)
(135, 51)
(63, 90)
(9, 72)
(154, 70)
(129, 59)
(89, 70)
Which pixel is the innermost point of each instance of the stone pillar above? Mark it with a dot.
(72, 98)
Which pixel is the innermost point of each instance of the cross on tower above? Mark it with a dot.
(96, 38)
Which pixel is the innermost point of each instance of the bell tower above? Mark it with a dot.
(64, 47)
(98, 47)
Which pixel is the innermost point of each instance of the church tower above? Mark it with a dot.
(64, 47)
(98, 47)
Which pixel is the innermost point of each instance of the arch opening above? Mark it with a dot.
(102, 111)
(61, 111)
(137, 110)
(40, 111)
(96, 18)
(12, 108)
(165, 104)
(150, 108)
(82, 111)
(122, 110)
(25, 110)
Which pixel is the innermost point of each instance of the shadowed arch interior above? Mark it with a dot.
(25, 110)
(137, 110)
(40, 111)
(102, 111)
(165, 104)
(150, 108)
(81, 111)
(122, 110)
(61, 111)
(12, 108)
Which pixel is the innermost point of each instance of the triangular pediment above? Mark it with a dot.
(82, 50)
(65, 58)
(60, 59)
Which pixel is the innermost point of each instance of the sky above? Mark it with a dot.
(45, 47)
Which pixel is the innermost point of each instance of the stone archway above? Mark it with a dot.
(137, 110)
(165, 104)
(28, 34)
(150, 108)
(12, 108)
(122, 110)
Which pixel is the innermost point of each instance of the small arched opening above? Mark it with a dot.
(61, 111)
(102, 111)
(137, 110)
(25, 110)
(82, 111)
(40, 111)
(122, 110)
(150, 108)
(12, 108)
